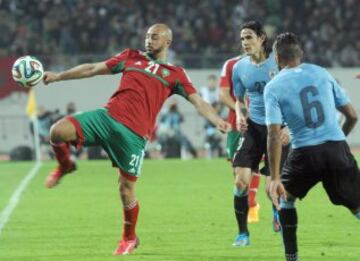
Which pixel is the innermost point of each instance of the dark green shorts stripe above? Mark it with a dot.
(232, 143)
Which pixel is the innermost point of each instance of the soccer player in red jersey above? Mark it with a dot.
(234, 137)
(123, 126)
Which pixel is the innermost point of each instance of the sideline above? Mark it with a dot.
(15, 198)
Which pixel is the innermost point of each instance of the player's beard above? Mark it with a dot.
(154, 52)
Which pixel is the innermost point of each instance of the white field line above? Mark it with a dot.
(15, 198)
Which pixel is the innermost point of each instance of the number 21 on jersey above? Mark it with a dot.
(152, 67)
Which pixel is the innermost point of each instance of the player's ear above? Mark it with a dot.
(279, 62)
(276, 58)
(168, 42)
(263, 37)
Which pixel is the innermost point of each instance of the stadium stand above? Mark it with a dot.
(206, 31)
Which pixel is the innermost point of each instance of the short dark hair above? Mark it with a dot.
(258, 28)
(287, 47)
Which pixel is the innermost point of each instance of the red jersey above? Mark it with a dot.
(226, 82)
(144, 86)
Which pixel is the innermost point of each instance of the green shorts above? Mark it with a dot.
(125, 148)
(232, 143)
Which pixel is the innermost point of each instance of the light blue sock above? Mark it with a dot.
(290, 204)
(358, 215)
(240, 193)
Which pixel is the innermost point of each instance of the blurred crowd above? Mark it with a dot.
(329, 29)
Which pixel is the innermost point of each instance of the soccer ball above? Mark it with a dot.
(27, 71)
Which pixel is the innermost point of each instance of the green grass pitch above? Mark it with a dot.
(186, 213)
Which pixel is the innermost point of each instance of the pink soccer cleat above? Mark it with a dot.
(53, 179)
(126, 247)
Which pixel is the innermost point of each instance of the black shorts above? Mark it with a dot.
(253, 148)
(331, 163)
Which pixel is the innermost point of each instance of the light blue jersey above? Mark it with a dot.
(307, 97)
(250, 79)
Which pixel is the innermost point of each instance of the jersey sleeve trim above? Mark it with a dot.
(180, 90)
(116, 69)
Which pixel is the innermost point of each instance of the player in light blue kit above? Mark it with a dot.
(249, 77)
(307, 97)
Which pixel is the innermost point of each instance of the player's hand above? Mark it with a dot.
(50, 77)
(276, 191)
(358, 76)
(284, 136)
(241, 124)
(223, 126)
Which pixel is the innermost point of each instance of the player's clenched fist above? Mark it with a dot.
(224, 126)
(50, 77)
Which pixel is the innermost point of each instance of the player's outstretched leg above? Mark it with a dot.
(254, 206)
(131, 208)
(288, 221)
(61, 134)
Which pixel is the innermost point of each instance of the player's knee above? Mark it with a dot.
(61, 131)
(241, 187)
(241, 184)
(241, 179)
(55, 133)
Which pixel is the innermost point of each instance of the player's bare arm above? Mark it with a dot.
(351, 118)
(78, 72)
(209, 113)
(241, 115)
(225, 97)
(274, 147)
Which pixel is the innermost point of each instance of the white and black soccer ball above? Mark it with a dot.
(27, 71)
